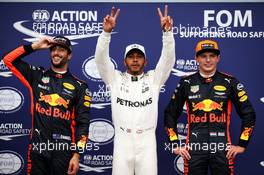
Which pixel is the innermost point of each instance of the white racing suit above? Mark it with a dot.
(135, 108)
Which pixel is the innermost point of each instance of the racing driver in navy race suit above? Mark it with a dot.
(134, 98)
(208, 95)
(60, 106)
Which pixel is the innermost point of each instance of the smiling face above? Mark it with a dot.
(207, 62)
(60, 57)
(135, 62)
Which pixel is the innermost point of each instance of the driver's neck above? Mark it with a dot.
(135, 73)
(59, 70)
(207, 74)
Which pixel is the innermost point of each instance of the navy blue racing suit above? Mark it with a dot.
(209, 102)
(60, 106)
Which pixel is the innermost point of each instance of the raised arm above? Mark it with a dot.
(21, 69)
(102, 59)
(167, 58)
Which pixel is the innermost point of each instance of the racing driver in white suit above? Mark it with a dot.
(134, 97)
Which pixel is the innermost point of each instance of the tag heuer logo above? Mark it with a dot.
(195, 89)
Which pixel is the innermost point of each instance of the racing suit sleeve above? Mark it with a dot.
(173, 111)
(245, 111)
(104, 65)
(82, 116)
(22, 70)
(167, 59)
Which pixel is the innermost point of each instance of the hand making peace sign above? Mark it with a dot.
(166, 21)
(110, 20)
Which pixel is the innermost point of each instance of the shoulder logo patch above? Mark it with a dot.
(195, 88)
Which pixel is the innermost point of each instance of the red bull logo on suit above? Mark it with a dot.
(207, 105)
(54, 101)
